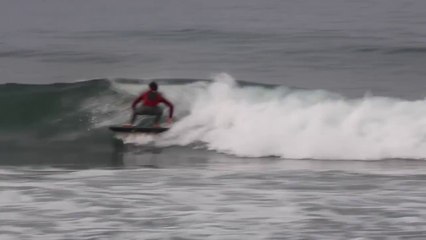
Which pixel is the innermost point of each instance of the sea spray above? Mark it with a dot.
(255, 121)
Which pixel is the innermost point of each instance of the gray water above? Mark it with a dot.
(347, 47)
(216, 197)
(344, 46)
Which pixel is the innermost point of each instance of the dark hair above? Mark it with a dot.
(153, 86)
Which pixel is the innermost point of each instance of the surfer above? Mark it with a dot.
(149, 106)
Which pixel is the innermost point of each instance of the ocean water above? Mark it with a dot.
(294, 119)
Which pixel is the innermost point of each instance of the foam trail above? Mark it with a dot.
(256, 121)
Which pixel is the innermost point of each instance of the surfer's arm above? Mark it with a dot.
(170, 105)
(137, 100)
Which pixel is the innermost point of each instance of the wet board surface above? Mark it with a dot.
(137, 129)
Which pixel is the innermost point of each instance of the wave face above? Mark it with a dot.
(49, 109)
(223, 115)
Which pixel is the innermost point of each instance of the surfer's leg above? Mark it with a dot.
(133, 118)
(139, 110)
(158, 113)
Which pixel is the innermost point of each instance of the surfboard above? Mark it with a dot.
(137, 129)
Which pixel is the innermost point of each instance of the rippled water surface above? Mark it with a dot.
(216, 198)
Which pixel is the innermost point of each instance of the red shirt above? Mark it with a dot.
(152, 98)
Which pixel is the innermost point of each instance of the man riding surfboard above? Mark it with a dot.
(150, 100)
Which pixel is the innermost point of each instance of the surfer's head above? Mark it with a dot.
(153, 86)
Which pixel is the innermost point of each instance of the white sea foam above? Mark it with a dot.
(254, 121)
(194, 203)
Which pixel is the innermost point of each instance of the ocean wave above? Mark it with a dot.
(54, 106)
(258, 122)
(224, 115)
